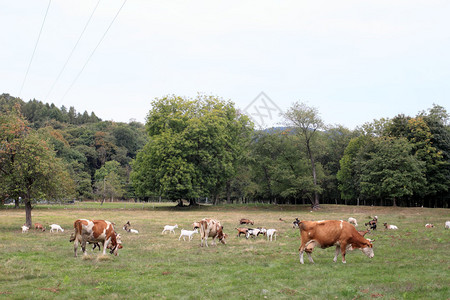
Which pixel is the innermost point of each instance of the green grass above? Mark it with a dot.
(411, 263)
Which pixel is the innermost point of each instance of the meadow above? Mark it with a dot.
(410, 263)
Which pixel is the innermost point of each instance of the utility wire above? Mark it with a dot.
(73, 50)
(34, 51)
(90, 56)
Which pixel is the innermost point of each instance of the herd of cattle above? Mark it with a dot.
(323, 234)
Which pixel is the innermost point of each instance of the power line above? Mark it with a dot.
(90, 56)
(73, 49)
(35, 46)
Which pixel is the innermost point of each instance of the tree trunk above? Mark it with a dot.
(229, 192)
(394, 202)
(315, 202)
(16, 202)
(28, 209)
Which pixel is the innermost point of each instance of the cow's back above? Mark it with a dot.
(327, 233)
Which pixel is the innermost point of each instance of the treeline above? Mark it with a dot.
(96, 153)
(204, 148)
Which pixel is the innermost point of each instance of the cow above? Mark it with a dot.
(95, 231)
(211, 228)
(330, 233)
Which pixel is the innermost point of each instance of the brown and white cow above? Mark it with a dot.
(211, 228)
(95, 231)
(330, 233)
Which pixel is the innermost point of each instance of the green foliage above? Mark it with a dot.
(193, 150)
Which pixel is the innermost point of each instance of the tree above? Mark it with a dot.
(29, 167)
(109, 181)
(193, 149)
(307, 122)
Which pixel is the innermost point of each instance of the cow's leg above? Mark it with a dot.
(75, 246)
(83, 247)
(336, 253)
(300, 253)
(105, 245)
(343, 248)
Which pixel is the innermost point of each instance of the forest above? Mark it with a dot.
(204, 150)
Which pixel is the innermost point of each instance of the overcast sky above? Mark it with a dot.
(354, 61)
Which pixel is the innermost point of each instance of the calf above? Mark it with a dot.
(330, 233)
(241, 230)
(271, 233)
(169, 228)
(187, 233)
(387, 226)
(56, 227)
(352, 221)
(39, 226)
(211, 228)
(245, 221)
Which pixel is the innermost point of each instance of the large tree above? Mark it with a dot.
(193, 150)
(307, 122)
(28, 165)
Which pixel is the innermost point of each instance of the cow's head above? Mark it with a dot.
(367, 249)
(116, 244)
(222, 236)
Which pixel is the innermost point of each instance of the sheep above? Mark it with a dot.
(447, 224)
(429, 225)
(25, 228)
(241, 230)
(387, 226)
(56, 227)
(169, 228)
(39, 226)
(187, 233)
(352, 221)
(271, 233)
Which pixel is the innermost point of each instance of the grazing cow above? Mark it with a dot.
(211, 228)
(96, 231)
(39, 226)
(387, 226)
(352, 221)
(330, 233)
(25, 229)
(56, 227)
(271, 233)
(429, 225)
(241, 230)
(447, 225)
(245, 221)
(170, 228)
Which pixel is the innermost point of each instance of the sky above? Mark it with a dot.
(354, 61)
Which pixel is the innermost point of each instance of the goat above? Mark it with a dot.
(241, 230)
(447, 225)
(271, 233)
(429, 225)
(127, 228)
(25, 228)
(372, 223)
(169, 228)
(252, 232)
(387, 226)
(56, 227)
(188, 233)
(352, 221)
(295, 223)
(246, 221)
(39, 226)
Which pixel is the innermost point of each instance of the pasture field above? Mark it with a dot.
(410, 263)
